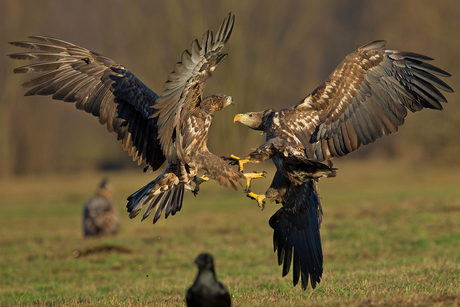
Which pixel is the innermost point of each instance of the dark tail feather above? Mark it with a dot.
(296, 235)
(138, 199)
(155, 200)
(171, 199)
(175, 201)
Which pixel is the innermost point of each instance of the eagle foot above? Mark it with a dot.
(234, 160)
(250, 176)
(198, 181)
(258, 198)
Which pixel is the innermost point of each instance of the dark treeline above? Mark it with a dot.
(278, 53)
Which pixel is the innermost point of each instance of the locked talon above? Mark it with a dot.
(253, 175)
(232, 158)
(236, 160)
(240, 164)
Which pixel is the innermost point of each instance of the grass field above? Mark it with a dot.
(391, 237)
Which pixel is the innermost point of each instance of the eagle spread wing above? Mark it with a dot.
(365, 98)
(184, 89)
(97, 85)
(173, 126)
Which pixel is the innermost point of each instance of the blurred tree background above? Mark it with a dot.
(278, 53)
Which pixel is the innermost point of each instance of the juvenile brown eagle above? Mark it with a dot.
(172, 127)
(100, 215)
(365, 98)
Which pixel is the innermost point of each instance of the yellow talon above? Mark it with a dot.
(258, 198)
(253, 175)
(204, 178)
(198, 181)
(234, 160)
(240, 164)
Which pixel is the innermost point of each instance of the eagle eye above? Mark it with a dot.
(250, 115)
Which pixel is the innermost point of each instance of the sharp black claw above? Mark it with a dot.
(263, 173)
(232, 160)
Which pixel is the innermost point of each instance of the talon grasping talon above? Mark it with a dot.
(258, 198)
(236, 160)
(250, 176)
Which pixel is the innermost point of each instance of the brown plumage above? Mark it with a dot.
(365, 98)
(172, 127)
(100, 215)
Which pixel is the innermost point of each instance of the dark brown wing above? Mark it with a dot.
(365, 98)
(98, 86)
(184, 89)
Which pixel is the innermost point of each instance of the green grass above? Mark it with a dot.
(391, 237)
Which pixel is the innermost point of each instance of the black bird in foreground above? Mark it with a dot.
(100, 215)
(206, 290)
(366, 97)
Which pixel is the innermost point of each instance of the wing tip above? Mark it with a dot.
(374, 45)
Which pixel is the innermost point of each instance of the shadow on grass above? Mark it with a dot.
(101, 249)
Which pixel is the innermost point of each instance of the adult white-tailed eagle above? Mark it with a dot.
(172, 127)
(365, 98)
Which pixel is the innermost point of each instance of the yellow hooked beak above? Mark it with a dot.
(238, 118)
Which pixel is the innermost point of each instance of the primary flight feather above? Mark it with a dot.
(366, 97)
(172, 127)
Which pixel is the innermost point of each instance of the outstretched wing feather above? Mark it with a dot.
(97, 85)
(370, 91)
(185, 86)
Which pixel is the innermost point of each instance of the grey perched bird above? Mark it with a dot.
(206, 290)
(100, 215)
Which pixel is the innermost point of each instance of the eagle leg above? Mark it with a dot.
(259, 198)
(250, 176)
(198, 181)
(236, 160)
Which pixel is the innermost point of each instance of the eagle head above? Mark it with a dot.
(216, 102)
(254, 120)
